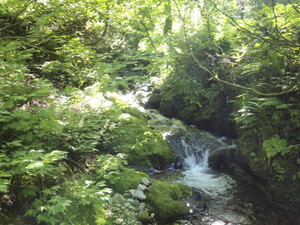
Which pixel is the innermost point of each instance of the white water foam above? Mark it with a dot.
(198, 175)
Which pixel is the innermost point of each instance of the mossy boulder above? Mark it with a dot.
(144, 146)
(144, 216)
(280, 189)
(165, 199)
(127, 179)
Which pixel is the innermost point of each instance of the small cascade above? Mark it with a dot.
(217, 198)
(218, 204)
(192, 147)
(198, 175)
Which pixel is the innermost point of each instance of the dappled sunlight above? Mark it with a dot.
(93, 99)
(125, 116)
(85, 91)
(97, 101)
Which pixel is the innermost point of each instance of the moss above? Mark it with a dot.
(132, 135)
(144, 216)
(150, 149)
(126, 179)
(165, 199)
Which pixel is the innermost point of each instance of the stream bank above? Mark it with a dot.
(207, 161)
(225, 191)
(247, 164)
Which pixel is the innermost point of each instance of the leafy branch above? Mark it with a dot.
(12, 23)
(296, 7)
(146, 29)
(215, 76)
(265, 40)
(276, 26)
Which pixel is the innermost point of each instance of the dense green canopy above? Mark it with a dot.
(63, 64)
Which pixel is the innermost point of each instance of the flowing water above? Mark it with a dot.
(217, 199)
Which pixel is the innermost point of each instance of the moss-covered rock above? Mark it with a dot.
(165, 199)
(126, 179)
(131, 135)
(279, 188)
(144, 216)
(221, 159)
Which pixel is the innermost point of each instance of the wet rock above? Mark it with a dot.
(154, 101)
(197, 196)
(146, 182)
(221, 159)
(142, 187)
(152, 170)
(142, 206)
(138, 194)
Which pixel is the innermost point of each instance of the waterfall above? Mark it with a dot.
(198, 175)
(218, 199)
(192, 148)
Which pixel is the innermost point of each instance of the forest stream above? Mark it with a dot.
(218, 199)
(149, 112)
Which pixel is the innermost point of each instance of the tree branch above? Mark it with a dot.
(276, 24)
(270, 42)
(26, 5)
(294, 6)
(146, 29)
(215, 76)
(12, 22)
